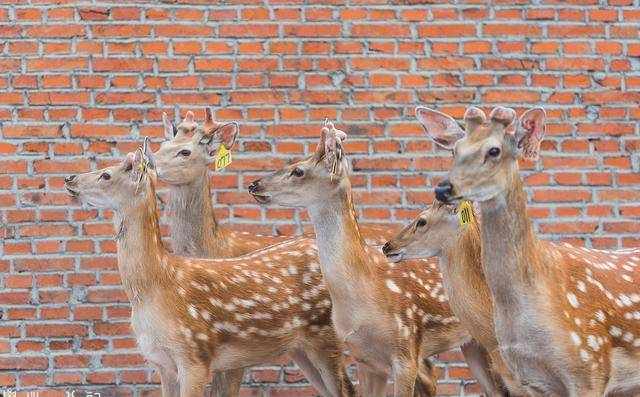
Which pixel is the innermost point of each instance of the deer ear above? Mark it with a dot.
(442, 129)
(148, 154)
(530, 132)
(227, 134)
(333, 154)
(189, 118)
(170, 130)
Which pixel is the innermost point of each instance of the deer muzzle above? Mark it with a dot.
(444, 190)
(257, 191)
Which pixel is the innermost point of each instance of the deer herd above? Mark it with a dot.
(531, 317)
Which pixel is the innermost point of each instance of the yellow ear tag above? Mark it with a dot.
(223, 158)
(465, 213)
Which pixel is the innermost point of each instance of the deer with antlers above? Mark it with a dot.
(193, 316)
(567, 319)
(437, 231)
(389, 316)
(182, 162)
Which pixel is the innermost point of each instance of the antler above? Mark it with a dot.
(473, 118)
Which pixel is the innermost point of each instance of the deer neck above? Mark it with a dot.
(344, 263)
(142, 258)
(461, 255)
(509, 254)
(193, 226)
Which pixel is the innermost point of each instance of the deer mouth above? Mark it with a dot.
(393, 254)
(261, 198)
(72, 193)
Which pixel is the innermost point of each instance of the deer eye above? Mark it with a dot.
(421, 222)
(494, 152)
(185, 153)
(297, 172)
(105, 176)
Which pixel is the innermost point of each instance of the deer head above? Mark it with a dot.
(306, 182)
(186, 155)
(120, 186)
(434, 229)
(486, 156)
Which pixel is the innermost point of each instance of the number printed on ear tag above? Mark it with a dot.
(465, 213)
(223, 158)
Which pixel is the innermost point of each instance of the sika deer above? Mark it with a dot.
(192, 316)
(437, 232)
(183, 163)
(389, 316)
(566, 318)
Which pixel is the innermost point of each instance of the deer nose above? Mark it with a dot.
(70, 178)
(255, 187)
(386, 248)
(444, 191)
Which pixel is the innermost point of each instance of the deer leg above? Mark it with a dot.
(310, 371)
(372, 384)
(426, 379)
(404, 374)
(168, 382)
(479, 363)
(193, 379)
(227, 383)
(328, 361)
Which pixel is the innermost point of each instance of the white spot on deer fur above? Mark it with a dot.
(246, 303)
(581, 286)
(615, 331)
(205, 315)
(393, 287)
(573, 300)
(186, 332)
(575, 338)
(636, 343)
(593, 343)
(584, 355)
(216, 302)
(225, 326)
(261, 316)
(626, 301)
(202, 336)
(193, 311)
(628, 337)
(627, 278)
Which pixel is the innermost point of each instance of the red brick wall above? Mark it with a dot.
(80, 86)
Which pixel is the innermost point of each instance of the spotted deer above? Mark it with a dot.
(389, 316)
(437, 232)
(567, 319)
(192, 316)
(182, 162)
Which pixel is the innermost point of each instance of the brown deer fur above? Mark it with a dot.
(388, 315)
(192, 316)
(566, 318)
